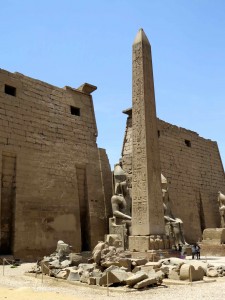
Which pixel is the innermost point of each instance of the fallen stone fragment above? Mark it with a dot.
(112, 267)
(84, 277)
(136, 269)
(139, 261)
(122, 253)
(171, 261)
(155, 265)
(73, 276)
(91, 281)
(54, 264)
(96, 273)
(197, 264)
(114, 276)
(76, 259)
(65, 263)
(146, 282)
(61, 274)
(137, 277)
(159, 275)
(173, 274)
(114, 240)
(196, 273)
(86, 267)
(107, 264)
(165, 270)
(48, 258)
(147, 268)
(125, 262)
(211, 272)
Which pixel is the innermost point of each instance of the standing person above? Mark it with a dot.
(193, 250)
(198, 251)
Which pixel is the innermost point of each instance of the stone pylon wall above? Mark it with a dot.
(194, 171)
(51, 168)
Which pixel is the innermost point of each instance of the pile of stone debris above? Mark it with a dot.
(115, 267)
(191, 270)
(107, 265)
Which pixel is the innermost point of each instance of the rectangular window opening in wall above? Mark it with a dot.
(75, 111)
(158, 133)
(10, 90)
(187, 143)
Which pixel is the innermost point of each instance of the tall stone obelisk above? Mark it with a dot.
(147, 203)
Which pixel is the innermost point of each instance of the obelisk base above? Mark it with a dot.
(152, 242)
(156, 255)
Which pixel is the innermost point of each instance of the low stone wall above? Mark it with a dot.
(212, 250)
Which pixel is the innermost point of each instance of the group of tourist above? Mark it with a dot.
(195, 249)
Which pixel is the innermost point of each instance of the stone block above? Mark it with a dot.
(198, 263)
(147, 269)
(55, 264)
(91, 281)
(189, 272)
(114, 276)
(86, 267)
(65, 263)
(173, 274)
(76, 259)
(175, 261)
(136, 269)
(96, 273)
(155, 265)
(137, 277)
(107, 264)
(73, 276)
(119, 230)
(62, 274)
(114, 240)
(214, 235)
(146, 282)
(85, 277)
(125, 262)
(139, 261)
(159, 274)
(212, 272)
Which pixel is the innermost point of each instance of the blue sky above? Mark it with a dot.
(71, 42)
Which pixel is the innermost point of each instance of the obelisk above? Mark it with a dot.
(147, 203)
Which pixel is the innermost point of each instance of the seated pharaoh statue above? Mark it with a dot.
(120, 224)
(173, 226)
(221, 200)
(121, 193)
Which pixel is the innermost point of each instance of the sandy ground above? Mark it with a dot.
(15, 285)
(28, 294)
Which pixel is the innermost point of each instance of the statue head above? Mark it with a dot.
(119, 173)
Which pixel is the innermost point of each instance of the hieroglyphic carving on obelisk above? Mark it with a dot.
(147, 204)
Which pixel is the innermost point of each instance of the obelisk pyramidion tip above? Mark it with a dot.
(141, 37)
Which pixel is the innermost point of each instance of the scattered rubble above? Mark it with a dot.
(114, 266)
